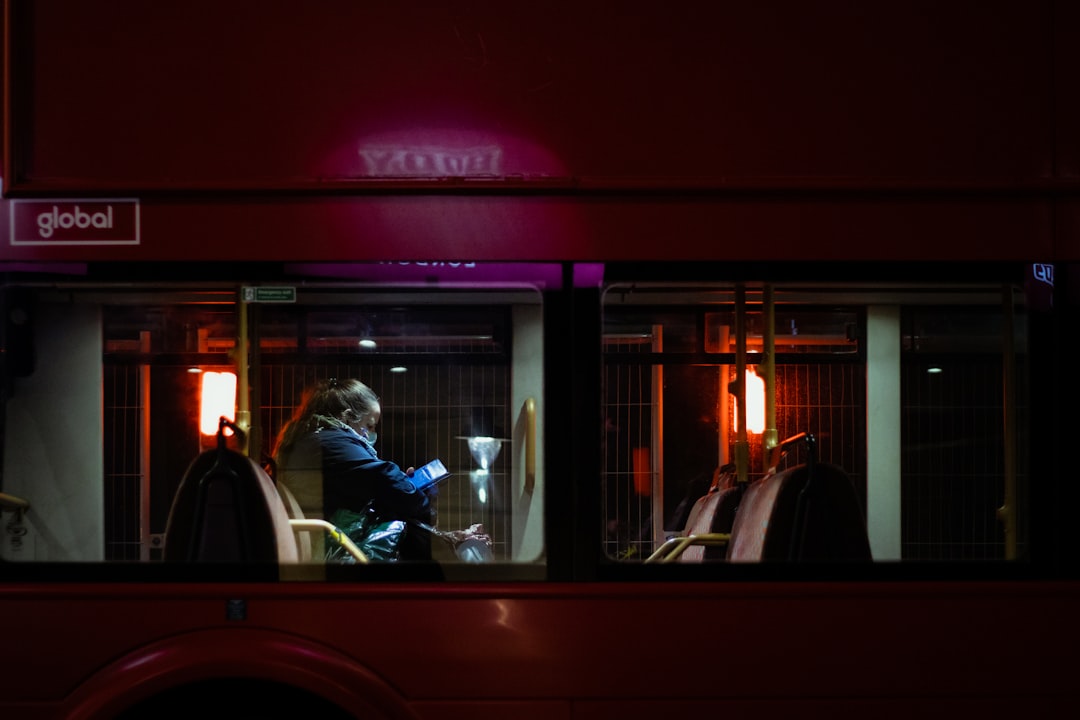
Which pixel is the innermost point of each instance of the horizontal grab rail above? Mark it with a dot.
(10, 502)
(335, 532)
(674, 547)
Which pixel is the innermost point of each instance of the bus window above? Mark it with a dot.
(911, 393)
(457, 368)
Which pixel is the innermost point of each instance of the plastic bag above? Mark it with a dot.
(379, 539)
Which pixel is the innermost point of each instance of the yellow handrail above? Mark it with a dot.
(530, 444)
(1006, 514)
(243, 387)
(767, 369)
(10, 502)
(335, 533)
(742, 442)
(673, 548)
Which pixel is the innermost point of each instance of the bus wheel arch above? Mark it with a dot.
(224, 666)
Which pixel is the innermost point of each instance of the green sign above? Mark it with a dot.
(270, 294)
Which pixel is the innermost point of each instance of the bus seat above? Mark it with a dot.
(708, 525)
(807, 512)
(305, 542)
(712, 514)
(227, 509)
(311, 532)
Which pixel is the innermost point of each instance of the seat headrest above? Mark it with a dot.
(807, 513)
(227, 509)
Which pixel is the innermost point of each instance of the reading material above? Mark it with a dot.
(426, 476)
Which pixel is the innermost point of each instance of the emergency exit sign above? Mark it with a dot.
(270, 294)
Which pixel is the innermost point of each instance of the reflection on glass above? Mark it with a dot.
(484, 450)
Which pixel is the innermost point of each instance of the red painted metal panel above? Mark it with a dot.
(1067, 231)
(554, 228)
(546, 642)
(130, 95)
(826, 99)
(1066, 43)
(1066, 30)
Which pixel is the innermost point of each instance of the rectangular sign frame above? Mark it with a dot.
(95, 220)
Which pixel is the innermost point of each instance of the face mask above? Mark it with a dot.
(370, 435)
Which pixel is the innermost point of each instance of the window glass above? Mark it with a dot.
(898, 394)
(128, 368)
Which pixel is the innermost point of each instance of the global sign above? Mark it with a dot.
(75, 222)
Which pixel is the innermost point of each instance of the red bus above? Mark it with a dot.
(563, 243)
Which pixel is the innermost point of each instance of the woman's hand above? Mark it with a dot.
(476, 530)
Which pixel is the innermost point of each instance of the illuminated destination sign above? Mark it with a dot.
(75, 222)
(431, 161)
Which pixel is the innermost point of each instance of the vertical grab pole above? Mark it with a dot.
(1006, 514)
(243, 401)
(767, 369)
(656, 439)
(742, 445)
(724, 453)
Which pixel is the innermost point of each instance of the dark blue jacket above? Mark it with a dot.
(334, 468)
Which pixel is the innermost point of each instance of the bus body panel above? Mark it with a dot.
(1066, 40)
(507, 227)
(786, 132)
(726, 93)
(390, 646)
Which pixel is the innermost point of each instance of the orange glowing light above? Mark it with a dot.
(642, 471)
(755, 404)
(217, 397)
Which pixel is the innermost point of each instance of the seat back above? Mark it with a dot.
(306, 544)
(226, 510)
(805, 513)
(712, 513)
